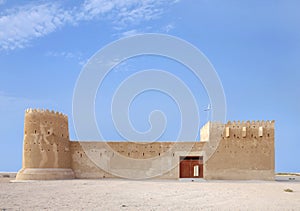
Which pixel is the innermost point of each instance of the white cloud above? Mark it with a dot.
(22, 24)
(68, 55)
(82, 62)
(124, 66)
(130, 33)
(94, 8)
(123, 12)
(169, 27)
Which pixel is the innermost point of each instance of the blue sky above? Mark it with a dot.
(253, 45)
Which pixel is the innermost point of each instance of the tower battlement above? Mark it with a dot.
(249, 129)
(45, 111)
(46, 145)
(253, 124)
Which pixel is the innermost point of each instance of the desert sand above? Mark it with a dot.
(119, 194)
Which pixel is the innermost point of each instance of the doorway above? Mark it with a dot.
(191, 167)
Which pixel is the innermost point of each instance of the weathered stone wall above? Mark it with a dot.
(132, 160)
(246, 151)
(46, 141)
(236, 150)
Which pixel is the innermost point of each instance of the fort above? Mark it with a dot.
(235, 150)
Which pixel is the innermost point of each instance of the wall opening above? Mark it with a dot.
(191, 167)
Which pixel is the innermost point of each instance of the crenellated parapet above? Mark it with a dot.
(39, 121)
(249, 129)
(46, 112)
(268, 123)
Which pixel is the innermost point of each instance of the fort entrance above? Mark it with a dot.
(191, 167)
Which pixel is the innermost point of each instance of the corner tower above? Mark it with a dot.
(46, 146)
(246, 151)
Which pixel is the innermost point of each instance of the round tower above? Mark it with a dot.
(46, 146)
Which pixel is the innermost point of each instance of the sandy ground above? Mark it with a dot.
(117, 194)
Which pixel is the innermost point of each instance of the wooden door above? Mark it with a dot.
(191, 167)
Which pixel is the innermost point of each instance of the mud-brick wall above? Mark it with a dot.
(131, 160)
(46, 140)
(246, 151)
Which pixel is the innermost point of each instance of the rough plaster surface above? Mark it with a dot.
(46, 145)
(236, 150)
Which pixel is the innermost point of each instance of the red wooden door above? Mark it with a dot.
(185, 169)
(191, 168)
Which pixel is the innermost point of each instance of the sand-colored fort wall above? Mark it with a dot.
(121, 157)
(46, 146)
(236, 150)
(246, 151)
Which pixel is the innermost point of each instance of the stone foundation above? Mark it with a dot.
(45, 174)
